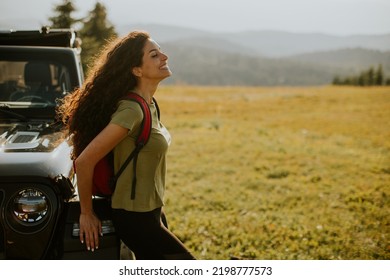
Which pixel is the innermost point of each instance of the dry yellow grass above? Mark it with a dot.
(279, 173)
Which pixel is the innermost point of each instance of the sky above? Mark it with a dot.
(335, 17)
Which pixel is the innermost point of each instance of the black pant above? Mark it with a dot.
(147, 236)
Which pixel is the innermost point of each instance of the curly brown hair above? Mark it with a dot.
(88, 109)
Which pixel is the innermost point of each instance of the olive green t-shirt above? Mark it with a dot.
(151, 164)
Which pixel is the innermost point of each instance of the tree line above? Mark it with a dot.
(94, 29)
(369, 77)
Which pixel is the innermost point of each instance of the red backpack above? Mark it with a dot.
(104, 178)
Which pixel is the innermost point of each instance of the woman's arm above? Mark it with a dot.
(100, 146)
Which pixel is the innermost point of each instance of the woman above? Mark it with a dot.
(99, 120)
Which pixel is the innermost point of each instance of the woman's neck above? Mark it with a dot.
(146, 91)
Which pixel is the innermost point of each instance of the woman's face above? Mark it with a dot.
(154, 63)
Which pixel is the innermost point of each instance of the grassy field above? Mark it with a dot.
(279, 173)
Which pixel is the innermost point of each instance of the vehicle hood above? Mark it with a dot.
(33, 149)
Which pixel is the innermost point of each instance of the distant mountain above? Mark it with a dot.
(262, 43)
(196, 65)
(281, 44)
(265, 58)
(204, 66)
(163, 33)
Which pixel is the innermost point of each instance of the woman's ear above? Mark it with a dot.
(137, 72)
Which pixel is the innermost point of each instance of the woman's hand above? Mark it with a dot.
(90, 230)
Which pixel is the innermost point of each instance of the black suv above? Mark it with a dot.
(39, 207)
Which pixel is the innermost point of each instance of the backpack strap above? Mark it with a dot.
(142, 139)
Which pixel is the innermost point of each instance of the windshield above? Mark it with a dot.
(33, 83)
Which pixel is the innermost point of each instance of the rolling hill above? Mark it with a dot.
(263, 42)
(267, 58)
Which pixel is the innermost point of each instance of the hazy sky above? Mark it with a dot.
(337, 17)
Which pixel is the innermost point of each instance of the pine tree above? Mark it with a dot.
(94, 33)
(63, 18)
(370, 76)
(379, 76)
(336, 81)
(362, 79)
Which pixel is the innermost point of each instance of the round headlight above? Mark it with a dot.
(30, 206)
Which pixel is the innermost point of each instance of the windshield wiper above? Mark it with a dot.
(10, 113)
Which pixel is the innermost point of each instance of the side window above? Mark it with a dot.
(11, 78)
